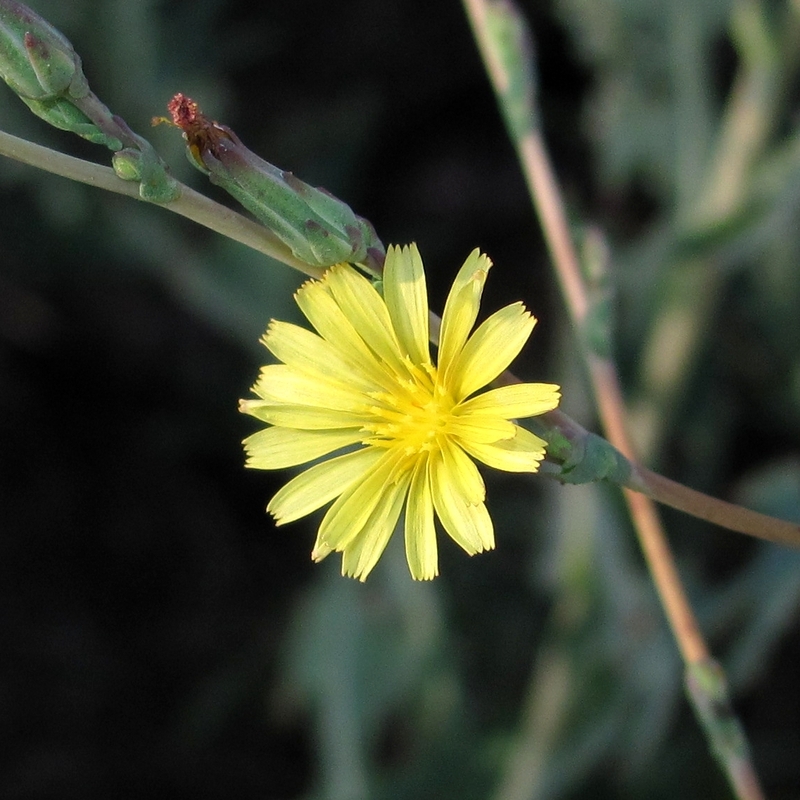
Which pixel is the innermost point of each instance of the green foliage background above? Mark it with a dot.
(163, 637)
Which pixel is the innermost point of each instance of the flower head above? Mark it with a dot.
(408, 429)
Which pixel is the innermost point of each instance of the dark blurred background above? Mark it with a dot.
(161, 637)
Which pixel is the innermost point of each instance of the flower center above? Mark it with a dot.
(415, 417)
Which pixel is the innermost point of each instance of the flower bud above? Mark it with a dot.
(37, 61)
(143, 165)
(318, 228)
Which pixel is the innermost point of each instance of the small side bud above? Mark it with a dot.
(127, 164)
(318, 228)
(155, 185)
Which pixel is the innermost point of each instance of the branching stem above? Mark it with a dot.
(517, 101)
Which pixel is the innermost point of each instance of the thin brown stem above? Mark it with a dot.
(546, 197)
(650, 531)
(550, 210)
(549, 206)
(720, 512)
(547, 201)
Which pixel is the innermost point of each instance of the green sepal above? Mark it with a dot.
(317, 227)
(581, 457)
(61, 113)
(594, 459)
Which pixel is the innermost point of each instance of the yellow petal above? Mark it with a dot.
(516, 401)
(521, 453)
(365, 308)
(494, 345)
(461, 309)
(481, 428)
(320, 484)
(278, 448)
(324, 313)
(420, 532)
(301, 417)
(468, 525)
(349, 514)
(462, 473)
(306, 352)
(320, 550)
(363, 552)
(406, 298)
(278, 384)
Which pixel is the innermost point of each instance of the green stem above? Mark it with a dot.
(190, 204)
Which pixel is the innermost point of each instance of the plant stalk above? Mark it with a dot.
(189, 204)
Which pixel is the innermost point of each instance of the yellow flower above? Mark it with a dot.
(365, 384)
